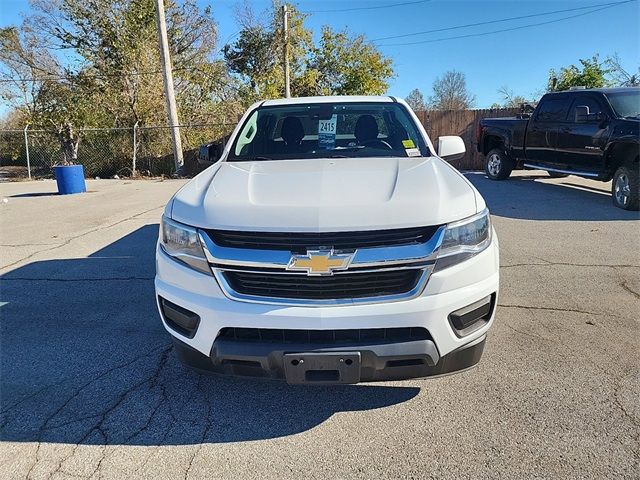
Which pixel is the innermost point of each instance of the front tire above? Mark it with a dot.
(498, 165)
(625, 188)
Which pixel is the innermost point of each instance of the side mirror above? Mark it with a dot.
(582, 114)
(210, 153)
(451, 148)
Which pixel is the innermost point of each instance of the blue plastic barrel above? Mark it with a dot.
(70, 179)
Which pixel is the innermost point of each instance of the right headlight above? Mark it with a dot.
(182, 243)
(464, 239)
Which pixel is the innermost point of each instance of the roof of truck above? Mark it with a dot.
(329, 99)
(600, 90)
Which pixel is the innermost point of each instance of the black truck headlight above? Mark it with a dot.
(182, 243)
(464, 239)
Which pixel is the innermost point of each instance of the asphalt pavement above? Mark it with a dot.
(91, 388)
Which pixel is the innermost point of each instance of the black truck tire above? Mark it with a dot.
(497, 164)
(625, 188)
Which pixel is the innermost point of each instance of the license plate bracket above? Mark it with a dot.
(322, 368)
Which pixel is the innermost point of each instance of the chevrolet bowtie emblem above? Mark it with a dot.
(320, 262)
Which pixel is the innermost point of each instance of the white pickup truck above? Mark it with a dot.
(329, 242)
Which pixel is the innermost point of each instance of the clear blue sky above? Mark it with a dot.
(519, 59)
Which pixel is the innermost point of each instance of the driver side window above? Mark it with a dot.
(589, 102)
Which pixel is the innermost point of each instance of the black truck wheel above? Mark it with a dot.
(625, 188)
(498, 165)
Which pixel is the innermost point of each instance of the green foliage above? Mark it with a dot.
(592, 73)
(340, 64)
(256, 57)
(115, 76)
(349, 65)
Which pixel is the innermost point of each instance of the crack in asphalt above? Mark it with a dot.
(204, 433)
(626, 286)
(634, 421)
(623, 282)
(170, 425)
(102, 415)
(17, 245)
(161, 363)
(568, 264)
(552, 309)
(618, 381)
(71, 239)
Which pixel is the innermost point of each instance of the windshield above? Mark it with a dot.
(328, 130)
(626, 104)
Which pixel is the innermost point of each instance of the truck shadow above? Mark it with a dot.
(537, 197)
(86, 360)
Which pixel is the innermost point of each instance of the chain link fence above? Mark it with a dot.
(105, 152)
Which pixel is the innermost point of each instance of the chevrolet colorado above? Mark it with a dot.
(592, 133)
(328, 243)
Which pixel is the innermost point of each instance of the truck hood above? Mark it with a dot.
(325, 195)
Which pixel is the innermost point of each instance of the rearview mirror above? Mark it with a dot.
(451, 148)
(210, 153)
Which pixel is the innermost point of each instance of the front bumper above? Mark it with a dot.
(391, 361)
(445, 351)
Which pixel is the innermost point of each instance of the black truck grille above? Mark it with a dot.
(300, 242)
(333, 337)
(341, 286)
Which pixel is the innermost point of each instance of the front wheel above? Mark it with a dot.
(498, 165)
(625, 188)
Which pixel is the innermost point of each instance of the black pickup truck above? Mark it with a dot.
(593, 133)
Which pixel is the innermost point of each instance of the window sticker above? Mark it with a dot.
(413, 152)
(408, 143)
(327, 132)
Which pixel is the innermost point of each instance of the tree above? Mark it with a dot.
(509, 98)
(114, 76)
(256, 57)
(346, 65)
(416, 100)
(27, 70)
(340, 64)
(591, 74)
(450, 92)
(619, 76)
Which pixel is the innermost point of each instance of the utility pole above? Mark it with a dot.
(285, 29)
(168, 86)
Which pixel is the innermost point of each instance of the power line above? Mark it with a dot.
(498, 21)
(505, 29)
(85, 75)
(53, 77)
(377, 7)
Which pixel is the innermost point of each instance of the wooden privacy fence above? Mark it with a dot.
(463, 123)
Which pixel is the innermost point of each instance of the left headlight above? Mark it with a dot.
(182, 243)
(464, 239)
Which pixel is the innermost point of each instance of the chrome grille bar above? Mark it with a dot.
(419, 253)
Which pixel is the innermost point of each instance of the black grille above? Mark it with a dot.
(273, 335)
(341, 286)
(299, 242)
